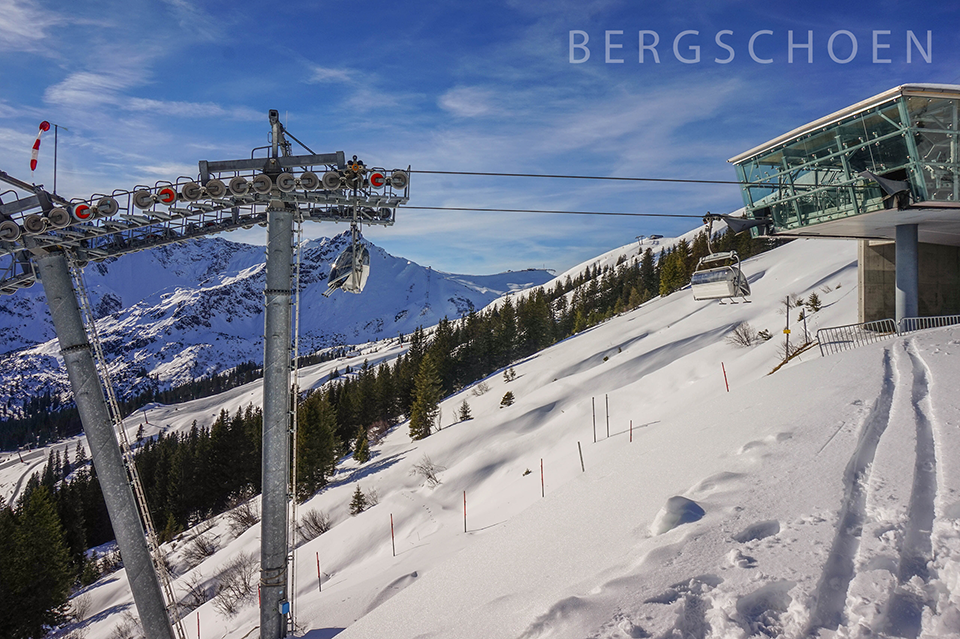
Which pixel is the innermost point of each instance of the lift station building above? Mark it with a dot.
(884, 171)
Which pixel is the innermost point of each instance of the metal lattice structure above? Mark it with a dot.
(225, 196)
(44, 233)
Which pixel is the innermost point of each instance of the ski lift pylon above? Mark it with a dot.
(718, 276)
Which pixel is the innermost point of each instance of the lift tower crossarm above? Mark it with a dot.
(337, 159)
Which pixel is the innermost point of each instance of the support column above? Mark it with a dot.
(907, 271)
(104, 447)
(276, 421)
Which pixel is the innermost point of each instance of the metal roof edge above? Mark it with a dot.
(932, 90)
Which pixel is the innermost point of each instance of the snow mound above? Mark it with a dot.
(676, 512)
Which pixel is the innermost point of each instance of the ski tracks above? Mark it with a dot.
(876, 579)
(839, 568)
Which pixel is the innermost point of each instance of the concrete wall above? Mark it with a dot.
(939, 280)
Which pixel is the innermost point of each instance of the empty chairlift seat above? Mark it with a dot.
(718, 276)
(350, 270)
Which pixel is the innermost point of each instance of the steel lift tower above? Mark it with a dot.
(44, 236)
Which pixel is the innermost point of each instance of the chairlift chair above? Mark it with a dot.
(726, 280)
(350, 270)
(718, 276)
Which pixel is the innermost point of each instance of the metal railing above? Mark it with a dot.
(841, 338)
(911, 324)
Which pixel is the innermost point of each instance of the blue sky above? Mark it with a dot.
(148, 88)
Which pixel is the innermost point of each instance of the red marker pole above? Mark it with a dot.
(319, 580)
(724, 368)
(393, 540)
(631, 430)
(464, 511)
(198, 625)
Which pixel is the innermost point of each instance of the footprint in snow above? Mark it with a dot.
(739, 560)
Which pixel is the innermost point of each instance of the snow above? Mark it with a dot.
(824, 488)
(196, 309)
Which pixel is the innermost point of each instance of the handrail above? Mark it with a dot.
(836, 339)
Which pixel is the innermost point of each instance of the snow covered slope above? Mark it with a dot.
(828, 491)
(185, 311)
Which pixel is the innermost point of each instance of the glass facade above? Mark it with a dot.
(813, 177)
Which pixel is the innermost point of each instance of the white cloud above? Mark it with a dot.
(190, 109)
(468, 102)
(320, 74)
(24, 26)
(86, 89)
(193, 19)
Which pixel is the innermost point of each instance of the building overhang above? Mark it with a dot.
(937, 223)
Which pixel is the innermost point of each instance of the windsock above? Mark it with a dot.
(44, 126)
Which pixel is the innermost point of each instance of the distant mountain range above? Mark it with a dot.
(184, 311)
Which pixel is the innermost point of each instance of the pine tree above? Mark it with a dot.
(81, 455)
(316, 444)
(38, 581)
(464, 414)
(507, 399)
(426, 399)
(66, 463)
(359, 502)
(361, 448)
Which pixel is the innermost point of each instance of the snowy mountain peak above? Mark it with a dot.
(184, 311)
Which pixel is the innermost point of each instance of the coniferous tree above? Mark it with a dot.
(41, 571)
(361, 448)
(359, 502)
(464, 414)
(316, 444)
(426, 402)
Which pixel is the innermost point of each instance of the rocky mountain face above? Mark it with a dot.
(186, 311)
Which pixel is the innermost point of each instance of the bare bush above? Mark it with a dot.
(373, 497)
(111, 562)
(428, 470)
(742, 335)
(128, 628)
(235, 583)
(313, 524)
(378, 430)
(480, 389)
(80, 607)
(242, 517)
(198, 592)
(198, 549)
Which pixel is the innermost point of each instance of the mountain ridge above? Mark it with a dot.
(202, 312)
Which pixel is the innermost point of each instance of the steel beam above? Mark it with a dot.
(907, 271)
(286, 162)
(104, 447)
(276, 421)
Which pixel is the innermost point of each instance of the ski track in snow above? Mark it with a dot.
(905, 608)
(839, 568)
(839, 603)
